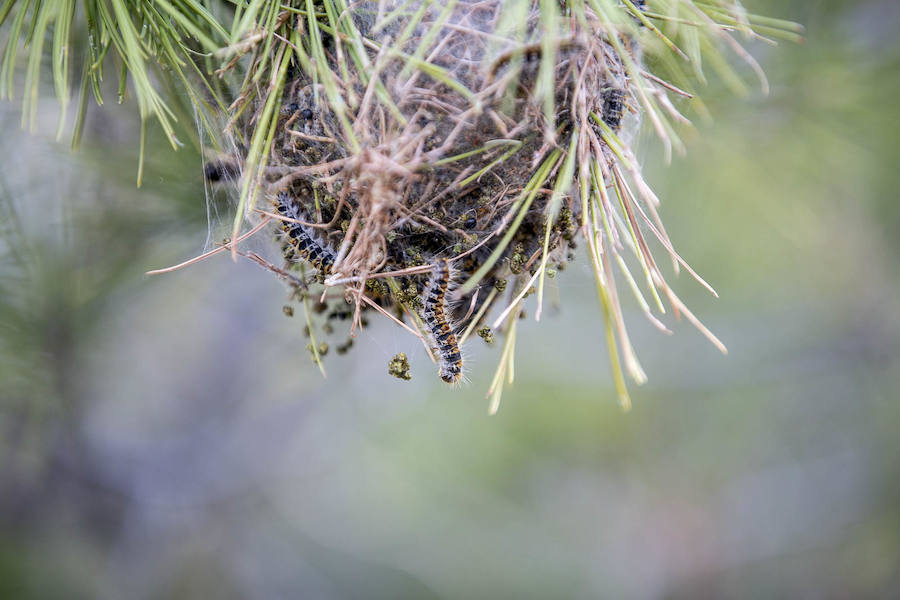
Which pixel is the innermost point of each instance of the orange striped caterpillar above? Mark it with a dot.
(434, 314)
(304, 240)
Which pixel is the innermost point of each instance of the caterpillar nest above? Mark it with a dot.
(436, 162)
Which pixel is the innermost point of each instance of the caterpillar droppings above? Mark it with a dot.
(434, 314)
(305, 241)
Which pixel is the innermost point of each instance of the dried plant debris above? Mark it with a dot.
(435, 162)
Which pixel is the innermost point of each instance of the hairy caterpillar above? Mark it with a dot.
(613, 107)
(434, 314)
(304, 240)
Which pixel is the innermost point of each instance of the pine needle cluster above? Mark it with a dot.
(434, 162)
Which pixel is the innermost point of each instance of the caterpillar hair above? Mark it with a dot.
(434, 314)
(305, 241)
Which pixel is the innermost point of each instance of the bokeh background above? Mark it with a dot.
(169, 437)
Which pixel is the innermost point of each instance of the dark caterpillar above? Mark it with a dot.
(215, 171)
(613, 107)
(305, 241)
(434, 314)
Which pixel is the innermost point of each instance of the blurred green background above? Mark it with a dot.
(169, 437)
